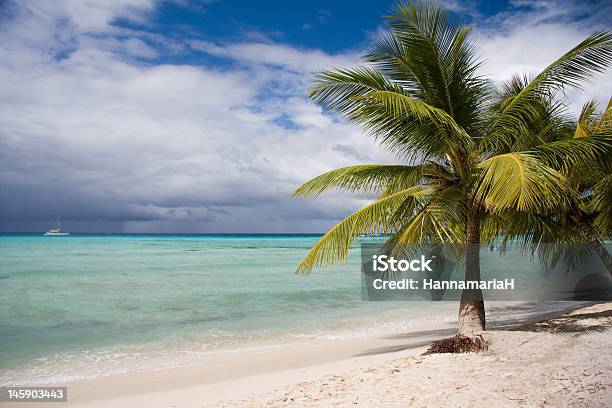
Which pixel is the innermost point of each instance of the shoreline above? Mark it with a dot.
(243, 373)
(234, 372)
(174, 353)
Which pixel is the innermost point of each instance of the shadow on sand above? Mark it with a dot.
(531, 317)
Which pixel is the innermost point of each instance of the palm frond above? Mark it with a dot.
(375, 217)
(600, 205)
(362, 178)
(433, 55)
(604, 125)
(440, 220)
(519, 181)
(401, 105)
(348, 92)
(585, 120)
(591, 56)
(338, 90)
(527, 229)
(576, 153)
(434, 175)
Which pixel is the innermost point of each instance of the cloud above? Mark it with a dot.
(323, 16)
(118, 144)
(92, 125)
(462, 7)
(531, 35)
(278, 55)
(89, 16)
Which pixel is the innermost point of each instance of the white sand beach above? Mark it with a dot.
(562, 361)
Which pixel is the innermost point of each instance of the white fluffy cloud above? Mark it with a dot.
(90, 16)
(90, 126)
(534, 34)
(284, 56)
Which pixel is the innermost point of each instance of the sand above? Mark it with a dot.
(564, 360)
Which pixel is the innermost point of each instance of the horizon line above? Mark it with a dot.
(167, 233)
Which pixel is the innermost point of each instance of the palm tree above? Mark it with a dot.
(465, 162)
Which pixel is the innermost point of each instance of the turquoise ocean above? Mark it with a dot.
(89, 305)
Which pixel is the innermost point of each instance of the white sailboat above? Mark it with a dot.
(57, 232)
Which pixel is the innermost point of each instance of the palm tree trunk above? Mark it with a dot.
(471, 306)
(595, 242)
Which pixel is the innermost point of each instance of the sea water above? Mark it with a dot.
(89, 305)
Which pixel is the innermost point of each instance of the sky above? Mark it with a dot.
(179, 116)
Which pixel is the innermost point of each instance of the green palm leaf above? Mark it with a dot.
(379, 216)
(575, 153)
(362, 178)
(591, 56)
(441, 219)
(400, 105)
(600, 206)
(519, 181)
(584, 125)
(338, 90)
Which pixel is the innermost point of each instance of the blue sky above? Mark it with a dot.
(329, 26)
(191, 116)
